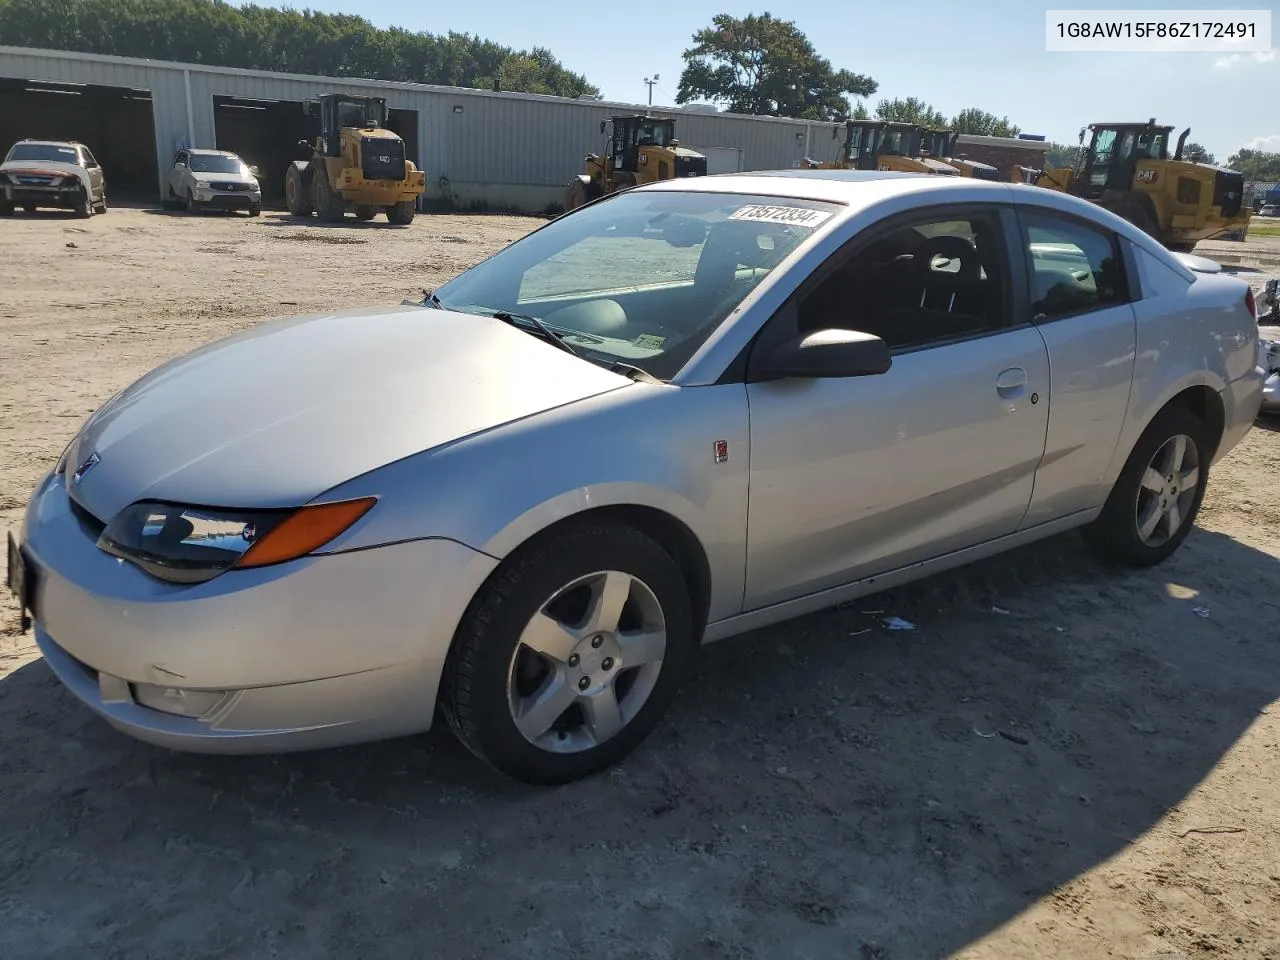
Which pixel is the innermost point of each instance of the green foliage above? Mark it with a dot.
(1255, 164)
(764, 66)
(1062, 155)
(1197, 154)
(289, 41)
(983, 124)
(910, 110)
(860, 112)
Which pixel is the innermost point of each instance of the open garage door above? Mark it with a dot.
(265, 134)
(116, 123)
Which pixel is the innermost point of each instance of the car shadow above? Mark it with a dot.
(826, 787)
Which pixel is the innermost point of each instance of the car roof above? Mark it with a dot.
(52, 143)
(211, 153)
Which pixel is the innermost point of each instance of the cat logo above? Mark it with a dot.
(1148, 176)
(384, 159)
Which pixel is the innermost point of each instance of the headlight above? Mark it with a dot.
(71, 181)
(183, 544)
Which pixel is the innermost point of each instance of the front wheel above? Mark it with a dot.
(193, 205)
(1154, 503)
(255, 209)
(569, 656)
(84, 204)
(401, 214)
(6, 208)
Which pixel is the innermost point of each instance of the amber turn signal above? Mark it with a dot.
(305, 530)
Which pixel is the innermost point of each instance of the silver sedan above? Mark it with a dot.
(679, 413)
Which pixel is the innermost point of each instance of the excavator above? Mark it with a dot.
(642, 149)
(941, 145)
(1127, 169)
(881, 145)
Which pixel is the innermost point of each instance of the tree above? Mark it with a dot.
(983, 124)
(266, 38)
(910, 110)
(1196, 153)
(1255, 164)
(859, 112)
(764, 66)
(1062, 155)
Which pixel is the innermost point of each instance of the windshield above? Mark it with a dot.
(43, 151)
(215, 163)
(356, 114)
(642, 278)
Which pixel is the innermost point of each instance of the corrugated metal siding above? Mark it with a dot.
(510, 139)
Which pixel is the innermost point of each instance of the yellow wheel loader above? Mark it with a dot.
(355, 165)
(881, 145)
(642, 149)
(941, 145)
(1127, 169)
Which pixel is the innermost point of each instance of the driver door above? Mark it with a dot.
(854, 477)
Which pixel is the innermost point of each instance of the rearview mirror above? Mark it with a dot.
(682, 231)
(826, 353)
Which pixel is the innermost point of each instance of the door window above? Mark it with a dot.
(89, 161)
(1073, 268)
(928, 282)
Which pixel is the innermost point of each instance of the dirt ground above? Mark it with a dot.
(1059, 761)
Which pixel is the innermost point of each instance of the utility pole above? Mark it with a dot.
(651, 81)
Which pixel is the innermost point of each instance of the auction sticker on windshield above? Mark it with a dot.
(771, 213)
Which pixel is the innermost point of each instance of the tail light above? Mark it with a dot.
(1249, 302)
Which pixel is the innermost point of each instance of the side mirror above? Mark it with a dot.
(255, 172)
(179, 164)
(826, 353)
(602, 124)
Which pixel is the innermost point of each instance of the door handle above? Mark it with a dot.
(1011, 383)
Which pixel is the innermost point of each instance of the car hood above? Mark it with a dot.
(41, 166)
(279, 414)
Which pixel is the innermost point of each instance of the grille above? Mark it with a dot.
(230, 186)
(691, 166)
(1188, 190)
(89, 523)
(382, 158)
(33, 181)
(1228, 192)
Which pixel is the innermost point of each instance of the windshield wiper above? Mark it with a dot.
(516, 319)
(634, 372)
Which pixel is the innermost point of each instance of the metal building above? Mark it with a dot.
(505, 150)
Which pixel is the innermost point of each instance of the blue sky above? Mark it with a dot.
(953, 55)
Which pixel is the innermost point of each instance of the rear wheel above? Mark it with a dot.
(6, 208)
(568, 657)
(1154, 503)
(330, 207)
(366, 212)
(401, 213)
(29, 207)
(296, 196)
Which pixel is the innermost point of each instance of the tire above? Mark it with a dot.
(29, 208)
(1117, 534)
(491, 675)
(330, 207)
(296, 196)
(84, 204)
(255, 210)
(575, 195)
(101, 206)
(193, 205)
(401, 214)
(1140, 215)
(6, 208)
(366, 212)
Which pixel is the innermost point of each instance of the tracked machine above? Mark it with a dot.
(882, 145)
(356, 165)
(941, 145)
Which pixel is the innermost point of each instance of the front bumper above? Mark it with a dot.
(42, 196)
(229, 201)
(356, 189)
(318, 652)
